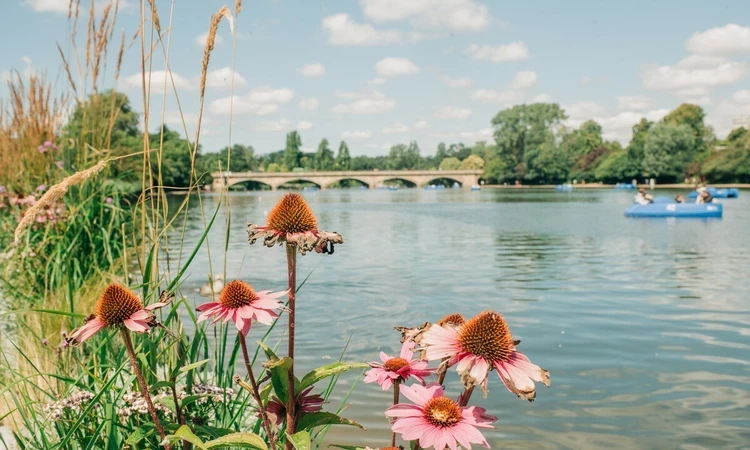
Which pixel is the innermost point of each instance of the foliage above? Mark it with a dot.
(450, 163)
(668, 150)
(343, 158)
(733, 163)
(472, 162)
(292, 153)
(324, 157)
(403, 157)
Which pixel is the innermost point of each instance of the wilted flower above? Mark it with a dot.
(397, 369)
(240, 303)
(481, 344)
(117, 307)
(305, 404)
(438, 421)
(60, 164)
(135, 404)
(292, 221)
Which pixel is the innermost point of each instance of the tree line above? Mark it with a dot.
(531, 145)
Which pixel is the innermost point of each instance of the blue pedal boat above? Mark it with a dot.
(660, 209)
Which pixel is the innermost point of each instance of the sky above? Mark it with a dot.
(381, 72)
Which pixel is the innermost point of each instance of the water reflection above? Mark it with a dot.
(643, 325)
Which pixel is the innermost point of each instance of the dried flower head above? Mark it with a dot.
(292, 221)
(479, 345)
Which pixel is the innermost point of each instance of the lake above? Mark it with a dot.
(644, 324)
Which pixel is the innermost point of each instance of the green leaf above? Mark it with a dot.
(279, 369)
(186, 434)
(301, 440)
(318, 419)
(139, 434)
(347, 447)
(326, 371)
(241, 440)
(193, 366)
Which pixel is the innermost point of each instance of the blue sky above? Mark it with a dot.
(381, 72)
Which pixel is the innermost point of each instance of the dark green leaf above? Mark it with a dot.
(318, 419)
(240, 440)
(326, 371)
(186, 434)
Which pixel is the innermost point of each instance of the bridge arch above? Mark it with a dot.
(333, 181)
(450, 181)
(250, 185)
(410, 183)
(285, 184)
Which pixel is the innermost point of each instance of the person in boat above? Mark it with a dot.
(642, 198)
(679, 198)
(704, 196)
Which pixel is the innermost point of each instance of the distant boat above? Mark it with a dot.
(624, 186)
(685, 210)
(564, 187)
(310, 188)
(456, 186)
(387, 187)
(213, 287)
(475, 187)
(718, 193)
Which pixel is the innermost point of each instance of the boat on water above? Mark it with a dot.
(718, 192)
(660, 208)
(624, 186)
(388, 187)
(475, 187)
(564, 187)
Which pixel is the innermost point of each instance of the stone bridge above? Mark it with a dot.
(372, 179)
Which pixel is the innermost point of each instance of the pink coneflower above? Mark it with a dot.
(292, 221)
(397, 369)
(306, 403)
(478, 346)
(438, 421)
(108, 200)
(117, 307)
(240, 303)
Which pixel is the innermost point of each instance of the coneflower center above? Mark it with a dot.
(487, 335)
(442, 412)
(396, 364)
(237, 294)
(292, 214)
(452, 319)
(116, 304)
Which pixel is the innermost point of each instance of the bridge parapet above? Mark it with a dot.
(372, 178)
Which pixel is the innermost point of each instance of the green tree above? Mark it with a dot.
(176, 158)
(733, 164)
(520, 131)
(324, 157)
(274, 167)
(292, 153)
(577, 147)
(343, 159)
(402, 157)
(668, 150)
(690, 115)
(737, 135)
(240, 158)
(450, 163)
(472, 162)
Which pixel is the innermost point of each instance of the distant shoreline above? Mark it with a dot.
(612, 186)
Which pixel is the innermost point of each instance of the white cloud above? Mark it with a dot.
(280, 125)
(541, 98)
(730, 38)
(680, 77)
(524, 80)
(201, 39)
(737, 106)
(222, 79)
(308, 104)
(455, 15)
(493, 96)
(460, 82)
(342, 30)
(421, 124)
(304, 125)
(59, 6)
(633, 102)
(364, 104)
(391, 67)
(312, 70)
(702, 61)
(261, 101)
(515, 51)
(355, 135)
(377, 81)
(395, 128)
(477, 135)
(157, 78)
(616, 126)
(581, 112)
(27, 72)
(452, 112)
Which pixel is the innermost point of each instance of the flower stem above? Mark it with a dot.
(443, 371)
(291, 421)
(142, 385)
(256, 394)
(463, 400)
(396, 396)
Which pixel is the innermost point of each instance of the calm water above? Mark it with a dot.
(644, 324)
